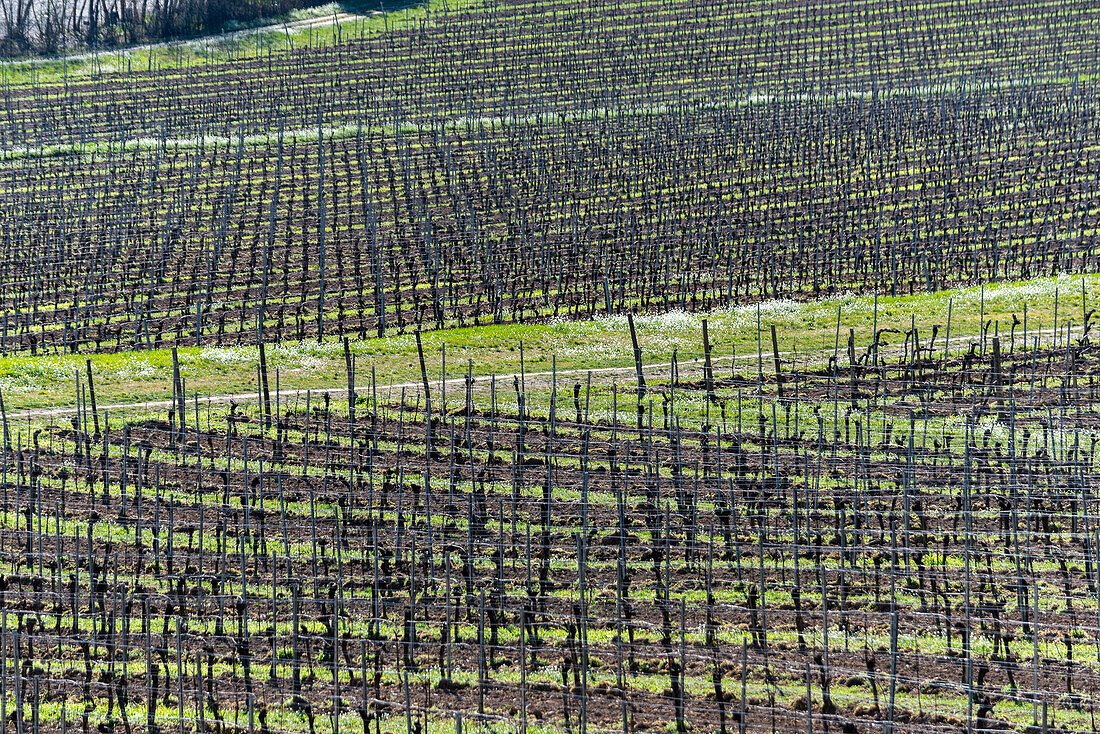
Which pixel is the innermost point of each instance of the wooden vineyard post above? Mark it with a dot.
(179, 670)
(947, 333)
(7, 432)
(349, 366)
(321, 225)
(809, 701)
(852, 367)
(998, 381)
(708, 368)
(4, 674)
(424, 381)
(742, 718)
(522, 669)
(638, 370)
(264, 387)
(91, 395)
(777, 362)
(177, 392)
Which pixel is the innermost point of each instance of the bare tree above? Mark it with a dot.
(17, 14)
(50, 26)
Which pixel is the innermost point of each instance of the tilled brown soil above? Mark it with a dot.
(556, 570)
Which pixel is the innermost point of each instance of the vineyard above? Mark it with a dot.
(558, 366)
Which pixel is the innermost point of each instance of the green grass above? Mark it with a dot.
(806, 332)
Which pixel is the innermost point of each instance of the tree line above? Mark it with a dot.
(50, 26)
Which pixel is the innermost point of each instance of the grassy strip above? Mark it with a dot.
(807, 337)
